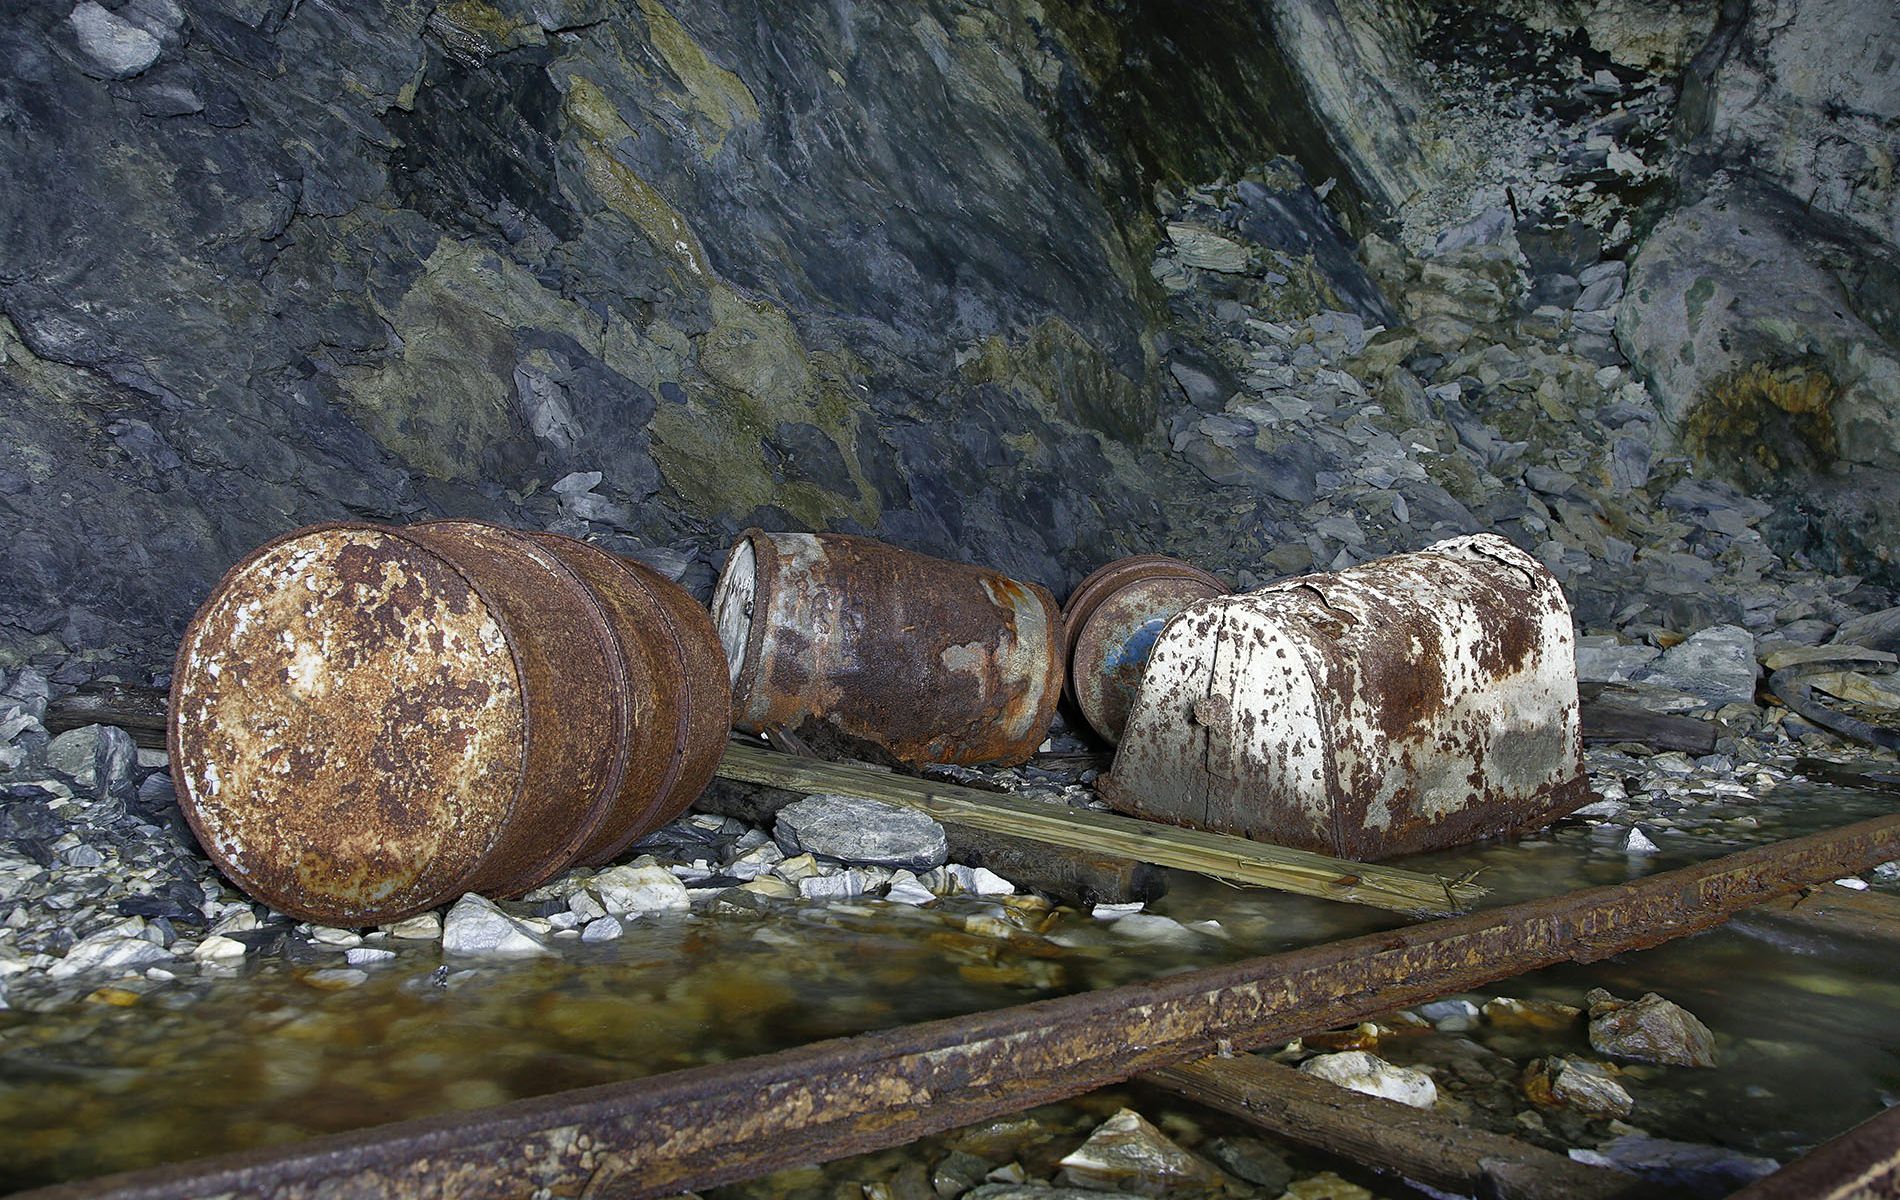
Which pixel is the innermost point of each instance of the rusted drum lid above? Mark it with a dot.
(348, 727)
(733, 604)
(1111, 621)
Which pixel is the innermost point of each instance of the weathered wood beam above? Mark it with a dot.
(1836, 910)
(1861, 1164)
(1606, 720)
(140, 711)
(1415, 1143)
(710, 1125)
(1219, 855)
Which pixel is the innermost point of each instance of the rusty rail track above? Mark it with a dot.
(710, 1125)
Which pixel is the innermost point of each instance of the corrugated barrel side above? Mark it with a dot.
(935, 661)
(680, 704)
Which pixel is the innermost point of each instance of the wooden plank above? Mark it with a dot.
(1074, 876)
(706, 1126)
(1610, 721)
(1837, 910)
(1219, 855)
(1415, 1143)
(138, 710)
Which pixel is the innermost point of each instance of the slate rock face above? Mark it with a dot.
(1807, 93)
(1763, 333)
(878, 268)
(1718, 664)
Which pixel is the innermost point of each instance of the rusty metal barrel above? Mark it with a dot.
(1411, 703)
(1111, 621)
(368, 721)
(933, 661)
(677, 688)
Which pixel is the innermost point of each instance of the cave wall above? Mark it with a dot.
(651, 272)
(1764, 307)
(860, 266)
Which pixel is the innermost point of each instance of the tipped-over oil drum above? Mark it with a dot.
(933, 661)
(1414, 702)
(1111, 621)
(681, 704)
(368, 721)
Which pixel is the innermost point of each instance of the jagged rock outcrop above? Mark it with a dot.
(1765, 312)
(1761, 364)
(1806, 94)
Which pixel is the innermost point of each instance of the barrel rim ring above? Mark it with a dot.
(682, 720)
(537, 871)
(765, 571)
(1105, 581)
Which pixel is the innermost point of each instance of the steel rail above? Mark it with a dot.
(705, 1126)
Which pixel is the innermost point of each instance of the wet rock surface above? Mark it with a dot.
(1650, 1029)
(1371, 1075)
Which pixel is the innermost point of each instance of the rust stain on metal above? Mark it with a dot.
(1111, 621)
(369, 721)
(675, 690)
(711, 1125)
(1415, 702)
(299, 677)
(935, 661)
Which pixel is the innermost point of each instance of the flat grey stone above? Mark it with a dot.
(1718, 665)
(1683, 1168)
(118, 48)
(630, 889)
(1207, 250)
(99, 759)
(1875, 630)
(602, 929)
(1604, 658)
(855, 830)
(107, 954)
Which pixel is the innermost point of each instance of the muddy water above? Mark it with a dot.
(1808, 1023)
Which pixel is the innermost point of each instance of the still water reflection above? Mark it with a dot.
(1808, 1022)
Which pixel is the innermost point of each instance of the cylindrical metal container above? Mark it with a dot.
(367, 721)
(681, 699)
(1111, 621)
(1411, 703)
(935, 661)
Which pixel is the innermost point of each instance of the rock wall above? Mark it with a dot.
(641, 270)
(649, 272)
(1765, 310)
